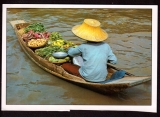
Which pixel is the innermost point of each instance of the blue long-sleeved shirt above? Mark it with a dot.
(95, 57)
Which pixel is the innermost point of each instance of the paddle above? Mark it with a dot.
(127, 73)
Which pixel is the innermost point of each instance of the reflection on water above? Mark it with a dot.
(129, 37)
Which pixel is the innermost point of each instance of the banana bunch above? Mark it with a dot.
(58, 43)
(55, 60)
(63, 43)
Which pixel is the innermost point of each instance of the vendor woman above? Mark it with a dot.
(95, 53)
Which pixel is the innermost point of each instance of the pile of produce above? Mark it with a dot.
(47, 51)
(55, 60)
(36, 27)
(34, 31)
(55, 44)
(36, 36)
(37, 43)
(54, 36)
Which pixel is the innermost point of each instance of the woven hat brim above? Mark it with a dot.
(97, 36)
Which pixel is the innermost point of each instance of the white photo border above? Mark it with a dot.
(151, 108)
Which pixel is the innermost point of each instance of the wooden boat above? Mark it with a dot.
(127, 81)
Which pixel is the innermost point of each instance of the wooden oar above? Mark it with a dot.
(127, 73)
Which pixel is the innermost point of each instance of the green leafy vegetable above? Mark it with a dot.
(55, 36)
(36, 27)
(46, 52)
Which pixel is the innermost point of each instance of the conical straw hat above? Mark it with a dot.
(90, 30)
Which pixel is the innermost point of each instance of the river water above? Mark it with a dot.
(129, 37)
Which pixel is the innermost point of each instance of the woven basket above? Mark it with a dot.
(37, 46)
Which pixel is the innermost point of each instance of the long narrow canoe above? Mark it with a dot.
(127, 81)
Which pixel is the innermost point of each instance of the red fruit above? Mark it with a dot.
(48, 34)
(36, 35)
(31, 31)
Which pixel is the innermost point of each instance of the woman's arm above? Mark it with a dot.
(74, 51)
(111, 57)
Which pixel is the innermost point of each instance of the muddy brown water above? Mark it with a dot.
(129, 37)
